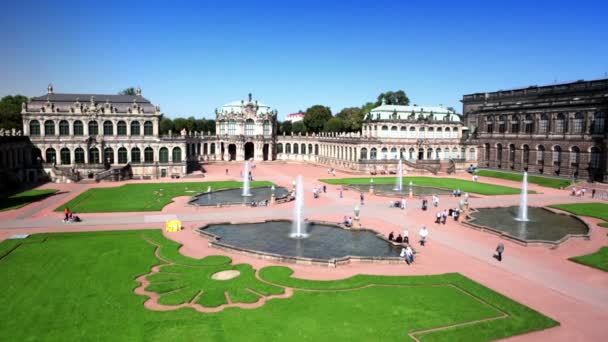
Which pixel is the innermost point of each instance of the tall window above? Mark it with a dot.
(526, 154)
(557, 155)
(288, 148)
(148, 155)
(108, 128)
(372, 153)
(529, 124)
(540, 155)
(384, 153)
(411, 153)
(514, 124)
(490, 124)
(543, 124)
(93, 128)
(421, 132)
(499, 153)
(121, 128)
(502, 124)
(472, 154)
(65, 156)
(266, 128)
(296, 149)
(595, 161)
(249, 125)
(560, 123)
(94, 156)
(79, 155)
(177, 154)
(135, 155)
(599, 123)
(221, 127)
(231, 127)
(135, 128)
(108, 155)
(575, 155)
(64, 128)
(34, 128)
(51, 155)
(122, 155)
(579, 119)
(163, 155)
(49, 127)
(78, 128)
(279, 148)
(363, 153)
(148, 128)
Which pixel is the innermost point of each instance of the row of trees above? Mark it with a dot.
(190, 124)
(10, 112)
(319, 118)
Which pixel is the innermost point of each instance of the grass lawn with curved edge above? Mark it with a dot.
(438, 182)
(597, 210)
(79, 286)
(143, 197)
(550, 182)
(24, 198)
(597, 260)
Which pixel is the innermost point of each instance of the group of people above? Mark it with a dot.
(457, 193)
(581, 192)
(69, 216)
(399, 204)
(405, 238)
(347, 222)
(316, 191)
(331, 171)
(263, 203)
(443, 215)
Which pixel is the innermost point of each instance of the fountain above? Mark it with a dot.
(298, 230)
(522, 213)
(399, 182)
(246, 191)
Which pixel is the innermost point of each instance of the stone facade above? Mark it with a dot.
(18, 162)
(554, 130)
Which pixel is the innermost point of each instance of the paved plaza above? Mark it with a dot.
(539, 277)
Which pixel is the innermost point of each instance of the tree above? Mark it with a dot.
(352, 118)
(179, 124)
(334, 124)
(10, 112)
(128, 91)
(166, 125)
(298, 127)
(393, 98)
(284, 127)
(316, 117)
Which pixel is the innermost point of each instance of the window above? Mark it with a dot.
(384, 132)
(34, 128)
(430, 133)
(65, 156)
(511, 153)
(64, 128)
(557, 155)
(163, 155)
(372, 153)
(122, 155)
(249, 127)
(309, 148)
(135, 128)
(595, 158)
(51, 156)
(108, 155)
(529, 124)
(578, 123)
(288, 148)
(599, 123)
(514, 124)
(212, 148)
(412, 132)
(540, 155)
(148, 128)
(421, 132)
(502, 124)
(49, 127)
(439, 132)
(363, 153)
(78, 128)
(94, 156)
(543, 124)
(316, 149)
(394, 131)
(575, 155)
(296, 148)
(279, 148)
(93, 128)
(487, 150)
(394, 153)
(176, 155)
(526, 156)
(490, 124)
(303, 148)
(438, 153)
(221, 127)
(472, 154)
(266, 128)
(231, 127)
(108, 128)
(149, 155)
(499, 153)
(384, 153)
(560, 124)
(411, 153)
(121, 128)
(135, 155)
(79, 155)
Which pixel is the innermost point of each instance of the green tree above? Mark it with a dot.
(179, 124)
(10, 112)
(298, 127)
(352, 118)
(127, 91)
(284, 127)
(316, 117)
(393, 98)
(334, 124)
(166, 125)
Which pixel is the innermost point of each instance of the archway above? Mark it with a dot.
(248, 150)
(232, 152)
(420, 154)
(265, 152)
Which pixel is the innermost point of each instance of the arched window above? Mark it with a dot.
(403, 132)
(149, 155)
(122, 155)
(557, 155)
(540, 155)
(78, 128)
(454, 153)
(526, 155)
(34, 128)
(309, 148)
(51, 155)
(384, 153)
(176, 155)
(498, 153)
(529, 124)
(266, 128)
(560, 123)
(438, 132)
(64, 128)
(411, 153)
(108, 128)
(93, 156)
(543, 124)
(220, 127)
(296, 148)
(108, 155)
(372, 153)
(212, 148)
(231, 127)
(135, 155)
(93, 128)
(402, 153)
(438, 153)
(579, 123)
(135, 128)
(121, 128)
(421, 132)
(502, 123)
(490, 124)
(596, 158)
(394, 131)
(393, 153)
(575, 156)
(412, 132)
(430, 133)
(446, 153)
(384, 131)
(279, 148)
(148, 128)
(446, 133)
(249, 127)
(487, 152)
(316, 149)
(64, 154)
(79, 155)
(303, 148)
(514, 124)
(163, 155)
(288, 148)
(599, 123)
(363, 153)
(429, 153)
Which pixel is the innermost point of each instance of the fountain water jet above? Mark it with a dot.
(399, 182)
(298, 229)
(522, 213)
(246, 192)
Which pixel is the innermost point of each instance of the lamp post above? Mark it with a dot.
(357, 211)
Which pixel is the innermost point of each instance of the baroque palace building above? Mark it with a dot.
(553, 130)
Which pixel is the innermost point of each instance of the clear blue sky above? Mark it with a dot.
(192, 57)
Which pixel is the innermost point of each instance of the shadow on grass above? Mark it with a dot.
(16, 202)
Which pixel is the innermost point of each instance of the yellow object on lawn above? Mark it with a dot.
(173, 226)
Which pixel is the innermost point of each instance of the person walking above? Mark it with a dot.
(66, 211)
(592, 193)
(424, 233)
(409, 255)
(499, 250)
(362, 198)
(340, 192)
(403, 203)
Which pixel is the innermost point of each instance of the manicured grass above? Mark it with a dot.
(24, 198)
(603, 224)
(539, 180)
(597, 260)
(597, 210)
(142, 197)
(79, 286)
(445, 183)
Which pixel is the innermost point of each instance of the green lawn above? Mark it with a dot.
(597, 260)
(597, 210)
(142, 197)
(603, 224)
(445, 183)
(79, 286)
(24, 198)
(539, 180)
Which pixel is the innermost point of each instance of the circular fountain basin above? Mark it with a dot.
(325, 243)
(235, 196)
(389, 190)
(543, 225)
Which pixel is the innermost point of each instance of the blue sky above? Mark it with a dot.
(192, 57)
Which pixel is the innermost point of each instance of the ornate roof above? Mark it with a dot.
(246, 108)
(398, 112)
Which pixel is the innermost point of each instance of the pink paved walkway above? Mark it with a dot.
(542, 278)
